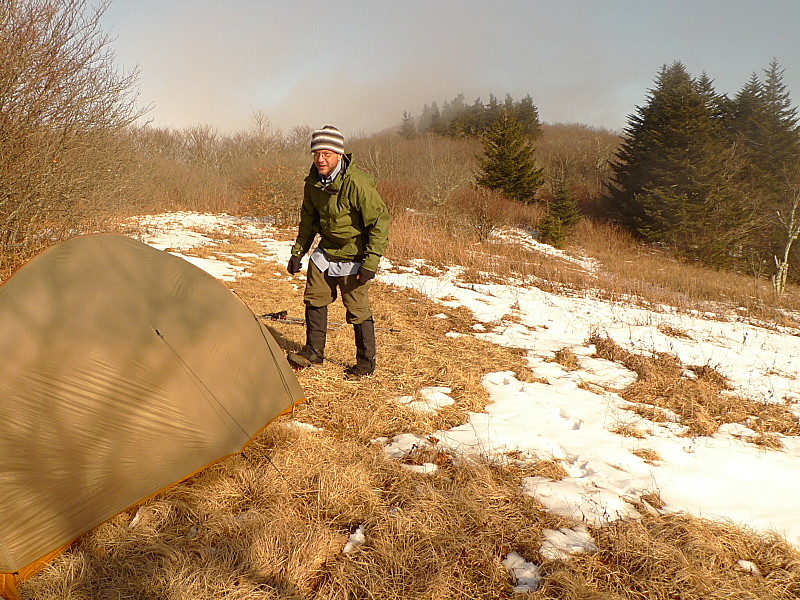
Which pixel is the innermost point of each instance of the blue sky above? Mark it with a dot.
(359, 64)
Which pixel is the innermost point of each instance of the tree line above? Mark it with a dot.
(712, 177)
(457, 119)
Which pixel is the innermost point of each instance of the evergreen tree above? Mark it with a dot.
(476, 118)
(492, 111)
(457, 120)
(745, 113)
(509, 105)
(407, 129)
(562, 216)
(453, 117)
(508, 164)
(527, 114)
(436, 125)
(777, 161)
(778, 145)
(424, 123)
(670, 162)
(764, 125)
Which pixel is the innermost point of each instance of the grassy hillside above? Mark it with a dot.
(273, 522)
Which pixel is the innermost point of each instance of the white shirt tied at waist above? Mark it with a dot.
(334, 268)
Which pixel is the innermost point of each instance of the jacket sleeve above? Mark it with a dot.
(375, 215)
(308, 227)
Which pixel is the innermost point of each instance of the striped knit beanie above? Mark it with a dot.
(327, 138)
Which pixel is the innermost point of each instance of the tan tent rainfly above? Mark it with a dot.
(123, 370)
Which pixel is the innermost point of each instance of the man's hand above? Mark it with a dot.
(294, 265)
(365, 275)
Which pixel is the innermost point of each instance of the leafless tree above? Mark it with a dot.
(62, 105)
(298, 137)
(789, 219)
(264, 137)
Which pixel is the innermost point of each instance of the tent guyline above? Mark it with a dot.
(196, 378)
(202, 386)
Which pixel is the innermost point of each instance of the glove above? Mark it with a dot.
(294, 265)
(365, 275)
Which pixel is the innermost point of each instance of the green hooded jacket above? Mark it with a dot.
(349, 215)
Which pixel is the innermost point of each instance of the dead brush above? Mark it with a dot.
(627, 430)
(672, 331)
(647, 454)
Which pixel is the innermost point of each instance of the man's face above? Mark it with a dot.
(326, 161)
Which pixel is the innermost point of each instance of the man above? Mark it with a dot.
(342, 206)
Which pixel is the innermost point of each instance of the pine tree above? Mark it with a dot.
(764, 125)
(745, 113)
(458, 120)
(492, 111)
(508, 164)
(424, 122)
(670, 160)
(563, 214)
(527, 114)
(777, 160)
(407, 129)
(436, 125)
(778, 145)
(451, 114)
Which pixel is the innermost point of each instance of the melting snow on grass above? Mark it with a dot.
(572, 415)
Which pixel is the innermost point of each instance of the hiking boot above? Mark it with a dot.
(365, 351)
(305, 357)
(356, 372)
(313, 353)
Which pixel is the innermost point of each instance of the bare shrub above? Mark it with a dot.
(274, 191)
(163, 181)
(478, 210)
(579, 155)
(298, 137)
(440, 166)
(63, 104)
(401, 195)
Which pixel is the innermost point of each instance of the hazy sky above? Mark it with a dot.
(358, 64)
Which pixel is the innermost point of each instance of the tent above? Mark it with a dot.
(123, 370)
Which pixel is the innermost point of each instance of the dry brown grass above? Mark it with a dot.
(703, 402)
(632, 270)
(677, 556)
(628, 430)
(272, 523)
(567, 359)
(416, 235)
(647, 454)
(626, 270)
